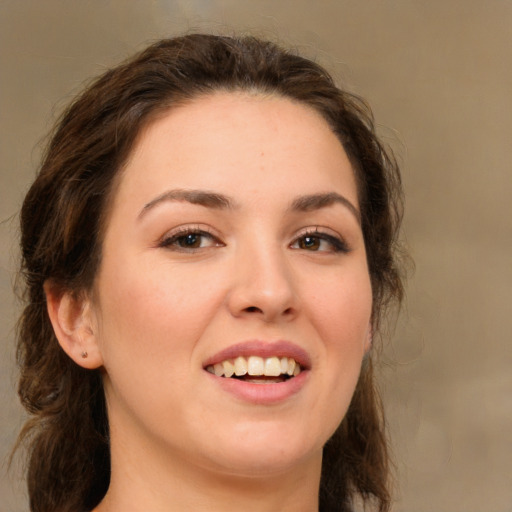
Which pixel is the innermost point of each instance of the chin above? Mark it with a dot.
(258, 465)
(267, 452)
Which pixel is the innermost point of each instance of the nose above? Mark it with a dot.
(263, 287)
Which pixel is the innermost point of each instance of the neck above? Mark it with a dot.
(140, 482)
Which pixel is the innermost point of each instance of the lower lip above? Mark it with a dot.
(264, 394)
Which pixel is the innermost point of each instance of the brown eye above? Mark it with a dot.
(318, 241)
(190, 241)
(310, 243)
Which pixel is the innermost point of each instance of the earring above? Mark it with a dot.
(84, 354)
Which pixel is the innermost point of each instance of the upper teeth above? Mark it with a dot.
(255, 365)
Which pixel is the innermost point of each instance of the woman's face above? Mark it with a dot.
(233, 245)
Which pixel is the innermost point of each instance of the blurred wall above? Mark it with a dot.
(439, 77)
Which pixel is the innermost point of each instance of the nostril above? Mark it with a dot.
(253, 309)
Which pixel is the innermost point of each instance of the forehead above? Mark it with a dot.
(237, 140)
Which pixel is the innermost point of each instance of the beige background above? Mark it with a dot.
(439, 76)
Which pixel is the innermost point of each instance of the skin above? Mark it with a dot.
(159, 310)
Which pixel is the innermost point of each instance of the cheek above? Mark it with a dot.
(149, 328)
(341, 312)
(153, 313)
(341, 308)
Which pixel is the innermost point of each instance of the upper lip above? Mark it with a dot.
(280, 348)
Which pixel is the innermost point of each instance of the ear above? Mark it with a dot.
(74, 325)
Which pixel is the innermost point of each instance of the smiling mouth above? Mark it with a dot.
(258, 370)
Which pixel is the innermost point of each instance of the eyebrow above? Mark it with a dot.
(200, 197)
(317, 201)
(218, 201)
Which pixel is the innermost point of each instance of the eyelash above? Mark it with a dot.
(173, 240)
(337, 244)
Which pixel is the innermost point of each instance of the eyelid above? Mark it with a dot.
(174, 234)
(324, 233)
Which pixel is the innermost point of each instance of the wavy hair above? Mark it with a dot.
(62, 226)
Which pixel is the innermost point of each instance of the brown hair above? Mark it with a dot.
(61, 226)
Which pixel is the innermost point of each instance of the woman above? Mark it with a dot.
(208, 251)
